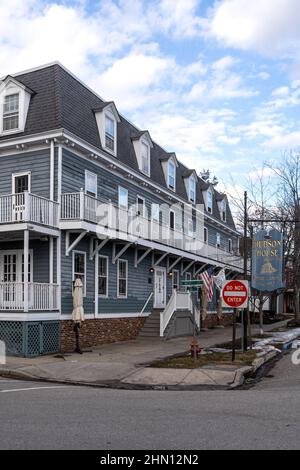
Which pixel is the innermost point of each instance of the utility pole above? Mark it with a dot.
(245, 311)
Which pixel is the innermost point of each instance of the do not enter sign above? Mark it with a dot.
(235, 294)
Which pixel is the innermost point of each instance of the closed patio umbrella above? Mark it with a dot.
(78, 312)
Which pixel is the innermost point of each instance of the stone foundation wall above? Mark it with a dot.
(97, 331)
(211, 320)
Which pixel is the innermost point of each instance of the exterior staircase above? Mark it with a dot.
(151, 328)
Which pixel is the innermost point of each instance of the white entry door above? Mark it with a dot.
(160, 288)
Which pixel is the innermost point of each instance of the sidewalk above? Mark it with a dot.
(125, 364)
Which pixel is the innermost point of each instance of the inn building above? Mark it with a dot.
(69, 163)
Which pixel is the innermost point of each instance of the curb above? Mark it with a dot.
(240, 376)
(9, 373)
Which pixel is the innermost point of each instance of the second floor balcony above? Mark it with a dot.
(28, 207)
(130, 225)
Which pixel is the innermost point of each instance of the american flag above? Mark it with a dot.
(208, 280)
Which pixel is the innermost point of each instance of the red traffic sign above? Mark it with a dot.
(235, 294)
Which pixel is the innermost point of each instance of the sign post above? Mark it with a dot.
(235, 295)
(193, 286)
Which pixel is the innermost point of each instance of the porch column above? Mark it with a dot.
(58, 271)
(96, 283)
(51, 291)
(26, 259)
(51, 260)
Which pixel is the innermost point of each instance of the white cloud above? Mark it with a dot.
(281, 91)
(224, 63)
(284, 141)
(267, 26)
(129, 79)
(178, 19)
(264, 75)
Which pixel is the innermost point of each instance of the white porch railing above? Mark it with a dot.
(126, 224)
(27, 207)
(178, 301)
(41, 296)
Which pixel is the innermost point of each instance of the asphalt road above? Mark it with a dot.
(46, 416)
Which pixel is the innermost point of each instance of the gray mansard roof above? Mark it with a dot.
(59, 100)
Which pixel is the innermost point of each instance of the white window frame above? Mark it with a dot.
(143, 214)
(192, 189)
(210, 206)
(173, 277)
(4, 115)
(230, 245)
(74, 252)
(188, 277)
(218, 241)
(93, 175)
(121, 188)
(109, 115)
(118, 279)
(190, 226)
(171, 162)
(103, 296)
(223, 210)
(143, 143)
(16, 175)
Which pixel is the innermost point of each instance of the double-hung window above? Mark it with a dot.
(90, 183)
(11, 112)
(103, 276)
(171, 174)
(209, 201)
(110, 134)
(122, 278)
(79, 268)
(175, 278)
(192, 189)
(145, 159)
(123, 198)
(229, 245)
(218, 240)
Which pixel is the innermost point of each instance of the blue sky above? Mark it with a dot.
(218, 82)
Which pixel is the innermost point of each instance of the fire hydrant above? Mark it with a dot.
(197, 348)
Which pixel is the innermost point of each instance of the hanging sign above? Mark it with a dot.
(267, 260)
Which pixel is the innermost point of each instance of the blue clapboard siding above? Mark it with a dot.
(73, 179)
(36, 162)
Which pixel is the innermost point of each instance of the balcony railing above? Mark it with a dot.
(27, 207)
(128, 225)
(41, 296)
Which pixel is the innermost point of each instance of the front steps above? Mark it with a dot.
(151, 328)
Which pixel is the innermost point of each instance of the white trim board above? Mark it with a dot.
(99, 316)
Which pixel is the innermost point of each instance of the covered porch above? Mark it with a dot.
(29, 271)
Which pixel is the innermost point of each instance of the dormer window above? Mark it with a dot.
(11, 112)
(145, 159)
(14, 104)
(142, 144)
(209, 201)
(171, 175)
(223, 208)
(109, 133)
(107, 118)
(192, 189)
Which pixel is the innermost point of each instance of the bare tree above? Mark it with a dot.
(288, 203)
(262, 206)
